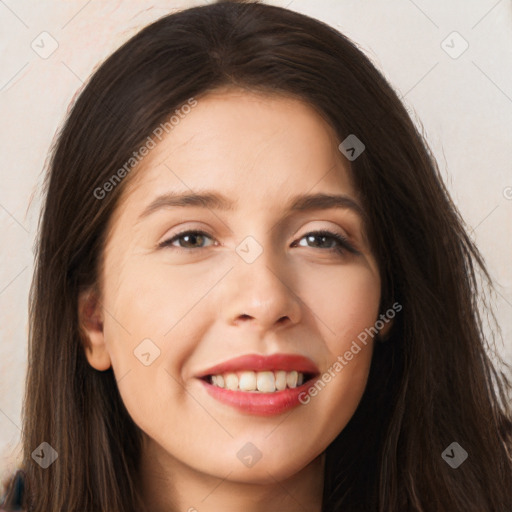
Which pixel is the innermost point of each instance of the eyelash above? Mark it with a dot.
(342, 244)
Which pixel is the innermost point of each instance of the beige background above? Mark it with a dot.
(464, 104)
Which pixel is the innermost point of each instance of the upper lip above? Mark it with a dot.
(259, 363)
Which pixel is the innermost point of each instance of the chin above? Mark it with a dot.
(270, 470)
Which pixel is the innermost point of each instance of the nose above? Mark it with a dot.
(260, 294)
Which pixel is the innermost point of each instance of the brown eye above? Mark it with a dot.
(335, 241)
(191, 240)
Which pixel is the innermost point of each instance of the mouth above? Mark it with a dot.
(261, 385)
(259, 382)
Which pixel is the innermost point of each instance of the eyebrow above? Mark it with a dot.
(215, 201)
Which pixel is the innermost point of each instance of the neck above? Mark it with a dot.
(168, 485)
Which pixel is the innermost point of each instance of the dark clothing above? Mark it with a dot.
(13, 498)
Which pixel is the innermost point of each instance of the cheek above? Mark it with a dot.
(344, 300)
(153, 323)
(152, 302)
(346, 306)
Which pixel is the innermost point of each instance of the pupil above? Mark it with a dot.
(193, 237)
(314, 238)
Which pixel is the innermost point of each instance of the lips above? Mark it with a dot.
(258, 363)
(261, 385)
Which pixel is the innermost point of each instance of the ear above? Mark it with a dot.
(384, 332)
(90, 316)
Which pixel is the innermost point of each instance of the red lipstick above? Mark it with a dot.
(258, 363)
(256, 402)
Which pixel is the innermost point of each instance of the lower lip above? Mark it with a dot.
(261, 404)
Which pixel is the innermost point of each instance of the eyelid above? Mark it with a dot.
(343, 240)
(167, 240)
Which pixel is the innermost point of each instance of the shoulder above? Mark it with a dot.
(14, 492)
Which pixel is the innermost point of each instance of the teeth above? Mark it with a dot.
(266, 382)
(291, 379)
(263, 382)
(280, 380)
(247, 381)
(231, 381)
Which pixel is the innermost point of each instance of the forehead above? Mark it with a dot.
(252, 147)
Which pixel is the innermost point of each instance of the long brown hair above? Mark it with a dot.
(431, 384)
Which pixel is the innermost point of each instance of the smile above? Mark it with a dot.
(261, 385)
(260, 382)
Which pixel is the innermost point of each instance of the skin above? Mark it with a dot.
(206, 305)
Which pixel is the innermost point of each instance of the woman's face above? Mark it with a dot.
(256, 281)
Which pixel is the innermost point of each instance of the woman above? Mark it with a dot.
(253, 291)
